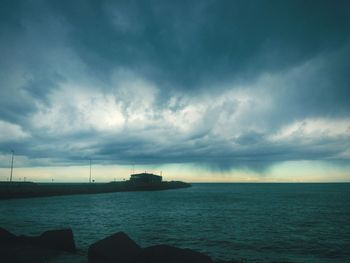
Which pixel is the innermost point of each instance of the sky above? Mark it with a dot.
(204, 91)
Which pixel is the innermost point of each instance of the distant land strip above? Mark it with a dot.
(10, 190)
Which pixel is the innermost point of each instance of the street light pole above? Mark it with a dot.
(13, 153)
(90, 172)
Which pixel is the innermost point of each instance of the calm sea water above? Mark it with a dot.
(251, 222)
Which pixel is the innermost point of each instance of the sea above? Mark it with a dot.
(244, 222)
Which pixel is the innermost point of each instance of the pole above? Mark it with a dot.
(12, 165)
(90, 172)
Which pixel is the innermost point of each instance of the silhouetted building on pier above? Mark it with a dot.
(145, 178)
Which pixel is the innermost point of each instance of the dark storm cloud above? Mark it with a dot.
(192, 46)
(187, 45)
(290, 58)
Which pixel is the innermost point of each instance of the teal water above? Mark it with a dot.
(250, 222)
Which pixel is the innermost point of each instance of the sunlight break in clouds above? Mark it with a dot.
(314, 129)
(73, 109)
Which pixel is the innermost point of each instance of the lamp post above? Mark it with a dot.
(13, 153)
(90, 172)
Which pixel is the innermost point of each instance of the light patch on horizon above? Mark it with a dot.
(310, 171)
(286, 172)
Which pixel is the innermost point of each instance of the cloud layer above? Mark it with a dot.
(216, 83)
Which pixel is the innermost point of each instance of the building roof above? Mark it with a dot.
(145, 174)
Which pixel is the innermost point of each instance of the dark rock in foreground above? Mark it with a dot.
(115, 248)
(62, 240)
(37, 249)
(58, 239)
(6, 236)
(120, 248)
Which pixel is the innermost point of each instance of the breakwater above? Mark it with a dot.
(29, 189)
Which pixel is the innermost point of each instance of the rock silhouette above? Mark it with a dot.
(34, 249)
(62, 240)
(120, 248)
(115, 248)
(58, 239)
(6, 236)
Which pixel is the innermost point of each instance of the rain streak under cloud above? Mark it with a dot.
(222, 85)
